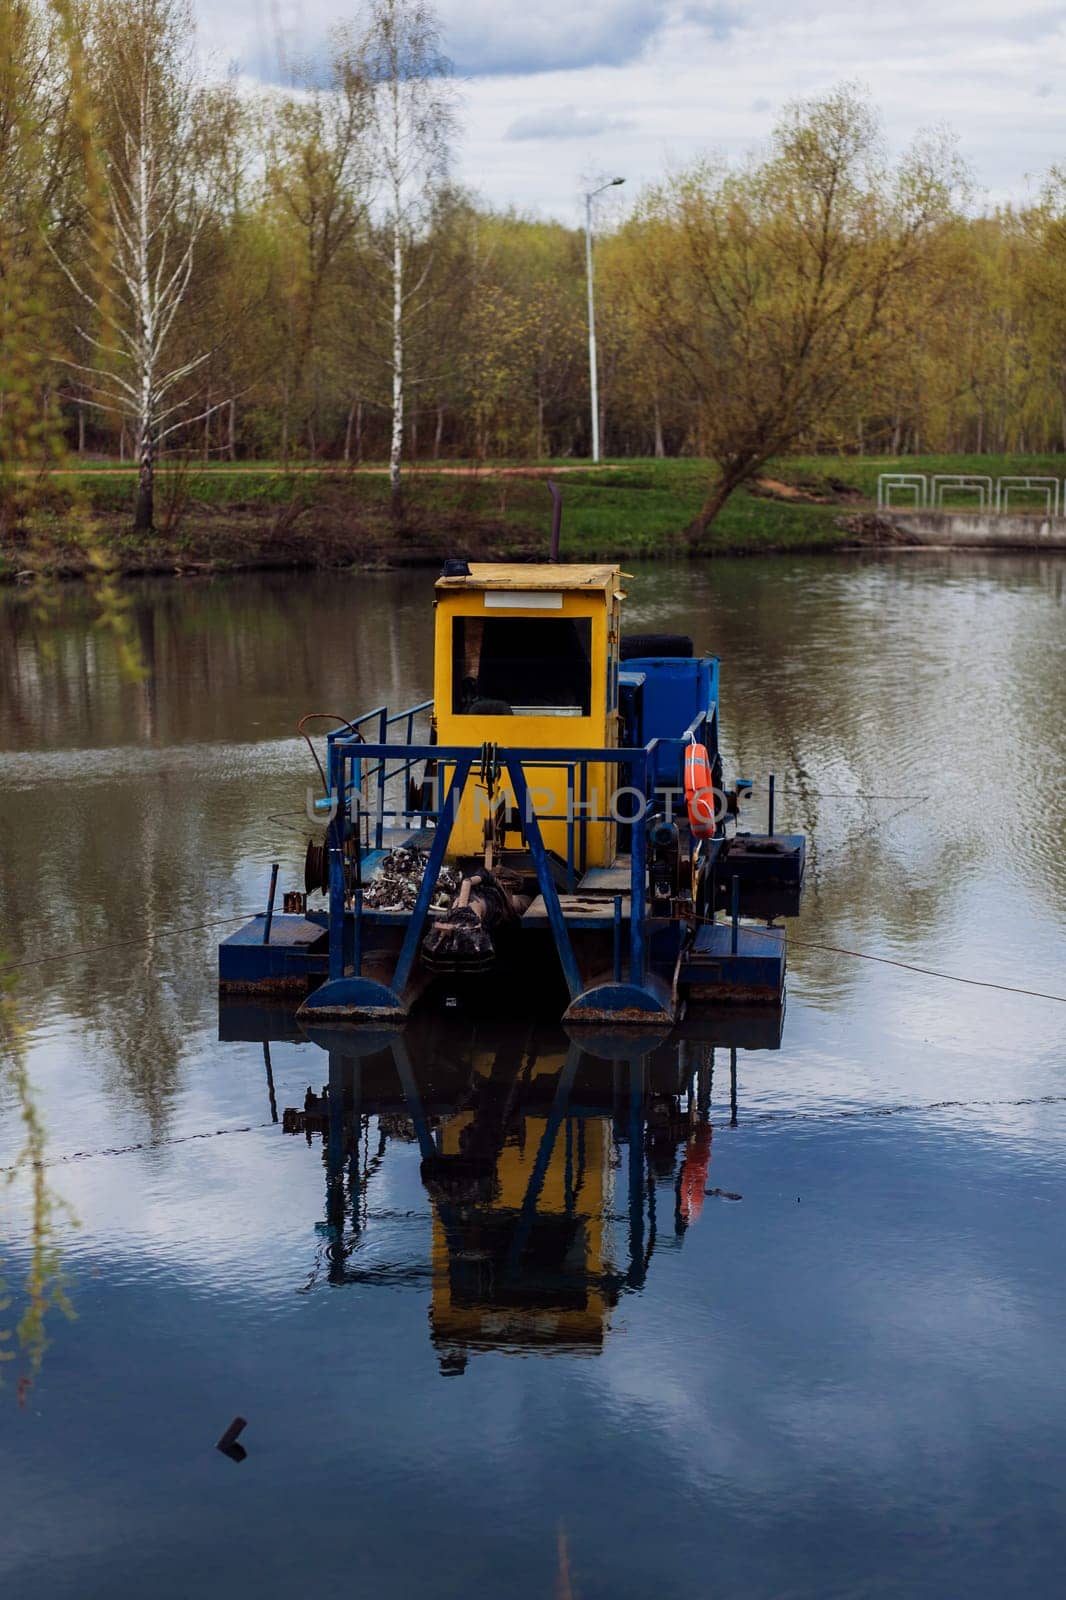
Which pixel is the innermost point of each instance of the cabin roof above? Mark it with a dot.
(544, 575)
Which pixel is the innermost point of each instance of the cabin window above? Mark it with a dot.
(522, 666)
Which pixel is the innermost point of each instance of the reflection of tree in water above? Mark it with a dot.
(45, 671)
(232, 658)
(42, 1286)
(136, 866)
(132, 848)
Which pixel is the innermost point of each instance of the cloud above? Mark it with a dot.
(506, 36)
(565, 122)
(719, 19)
(671, 80)
(483, 38)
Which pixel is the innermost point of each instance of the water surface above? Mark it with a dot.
(847, 1382)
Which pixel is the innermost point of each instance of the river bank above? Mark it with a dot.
(223, 517)
(219, 519)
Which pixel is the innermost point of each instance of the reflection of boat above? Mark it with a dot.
(553, 1173)
(563, 827)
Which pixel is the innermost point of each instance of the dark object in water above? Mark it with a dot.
(635, 646)
(724, 1194)
(228, 1442)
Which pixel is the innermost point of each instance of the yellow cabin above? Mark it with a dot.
(528, 656)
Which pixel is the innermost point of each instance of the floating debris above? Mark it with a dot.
(395, 884)
(228, 1442)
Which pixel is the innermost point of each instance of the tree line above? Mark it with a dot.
(296, 275)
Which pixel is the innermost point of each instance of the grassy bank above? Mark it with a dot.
(222, 517)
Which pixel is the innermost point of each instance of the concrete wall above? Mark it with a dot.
(970, 530)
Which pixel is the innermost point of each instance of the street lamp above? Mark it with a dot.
(593, 381)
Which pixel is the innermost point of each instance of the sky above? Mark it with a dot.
(555, 93)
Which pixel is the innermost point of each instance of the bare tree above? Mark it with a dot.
(319, 176)
(163, 172)
(413, 119)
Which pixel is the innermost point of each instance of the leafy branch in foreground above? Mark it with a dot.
(43, 1286)
(49, 175)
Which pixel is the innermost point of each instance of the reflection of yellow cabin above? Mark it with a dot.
(554, 1294)
(528, 656)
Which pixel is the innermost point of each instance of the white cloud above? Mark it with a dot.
(550, 36)
(482, 37)
(565, 122)
(651, 83)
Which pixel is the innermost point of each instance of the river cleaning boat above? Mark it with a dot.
(550, 832)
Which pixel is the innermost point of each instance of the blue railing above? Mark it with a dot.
(380, 773)
(355, 761)
(699, 730)
(346, 941)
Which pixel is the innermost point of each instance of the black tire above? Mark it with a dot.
(636, 645)
(490, 708)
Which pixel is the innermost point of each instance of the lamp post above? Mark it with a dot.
(593, 380)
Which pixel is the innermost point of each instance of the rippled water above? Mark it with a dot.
(532, 1357)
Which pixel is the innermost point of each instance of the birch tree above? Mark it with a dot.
(162, 177)
(413, 120)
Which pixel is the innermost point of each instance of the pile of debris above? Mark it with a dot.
(395, 884)
(869, 528)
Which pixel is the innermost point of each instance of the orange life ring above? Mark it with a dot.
(699, 792)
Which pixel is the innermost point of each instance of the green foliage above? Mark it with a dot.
(819, 298)
(48, 176)
(43, 1288)
(779, 288)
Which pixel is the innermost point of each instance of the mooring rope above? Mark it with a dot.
(829, 1114)
(842, 794)
(144, 1144)
(887, 961)
(919, 1108)
(120, 944)
(810, 944)
(930, 972)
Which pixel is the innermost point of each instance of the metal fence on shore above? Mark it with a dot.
(921, 491)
